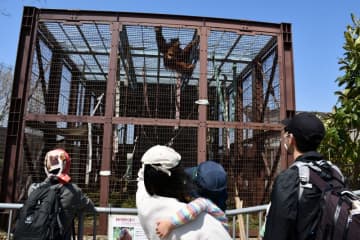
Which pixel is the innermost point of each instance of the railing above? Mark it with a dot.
(133, 211)
(234, 214)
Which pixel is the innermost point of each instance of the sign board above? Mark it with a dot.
(125, 227)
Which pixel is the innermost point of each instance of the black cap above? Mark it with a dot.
(307, 129)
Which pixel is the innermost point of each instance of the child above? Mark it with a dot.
(189, 213)
(211, 181)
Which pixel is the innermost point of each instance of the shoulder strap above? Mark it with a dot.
(304, 176)
(337, 174)
(333, 173)
(319, 182)
(56, 187)
(309, 174)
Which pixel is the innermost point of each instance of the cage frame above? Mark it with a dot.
(18, 116)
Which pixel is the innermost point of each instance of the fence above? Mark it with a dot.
(233, 214)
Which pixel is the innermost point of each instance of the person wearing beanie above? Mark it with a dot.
(294, 209)
(73, 201)
(164, 188)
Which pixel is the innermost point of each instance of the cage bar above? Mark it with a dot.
(106, 86)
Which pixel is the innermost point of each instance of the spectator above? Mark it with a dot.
(163, 189)
(73, 201)
(188, 213)
(211, 181)
(289, 217)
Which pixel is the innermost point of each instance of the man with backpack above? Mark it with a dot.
(52, 205)
(296, 202)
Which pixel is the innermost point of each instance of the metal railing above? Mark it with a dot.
(233, 214)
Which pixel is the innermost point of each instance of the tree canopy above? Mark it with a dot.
(341, 144)
(6, 78)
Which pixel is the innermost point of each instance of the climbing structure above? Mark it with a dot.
(106, 86)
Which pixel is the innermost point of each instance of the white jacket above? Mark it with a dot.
(153, 208)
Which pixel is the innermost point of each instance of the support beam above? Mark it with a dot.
(15, 133)
(105, 171)
(203, 94)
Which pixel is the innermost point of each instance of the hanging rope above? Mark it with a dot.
(193, 58)
(129, 162)
(178, 131)
(90, 149)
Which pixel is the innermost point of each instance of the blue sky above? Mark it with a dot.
(317, 28)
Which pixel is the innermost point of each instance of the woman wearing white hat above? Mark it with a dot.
(164, 188)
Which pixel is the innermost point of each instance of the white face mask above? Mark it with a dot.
(288, 147)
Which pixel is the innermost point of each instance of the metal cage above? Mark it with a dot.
(106, 86)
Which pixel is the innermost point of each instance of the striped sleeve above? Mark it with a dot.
(194, 208)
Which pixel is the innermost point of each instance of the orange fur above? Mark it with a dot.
(176, 58)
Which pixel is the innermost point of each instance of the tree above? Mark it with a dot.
(341, 144)
(6, 78)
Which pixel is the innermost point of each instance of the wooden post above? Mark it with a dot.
(239, 204)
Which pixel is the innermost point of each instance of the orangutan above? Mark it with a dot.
(176, 58)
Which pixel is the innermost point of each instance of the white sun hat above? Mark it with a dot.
(161, 158)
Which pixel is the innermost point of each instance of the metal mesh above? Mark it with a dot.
(69, 70)
(41, 137)
(133, 141)
(145, 86)
(250, 157)
(109, 90)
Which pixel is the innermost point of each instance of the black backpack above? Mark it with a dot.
(39, 216)
(339, 218)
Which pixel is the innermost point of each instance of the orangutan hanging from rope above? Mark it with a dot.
(176, 58)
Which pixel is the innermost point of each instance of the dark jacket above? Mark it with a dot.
(73, 202)
(288, 217)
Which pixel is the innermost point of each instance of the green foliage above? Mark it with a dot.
(341, 144)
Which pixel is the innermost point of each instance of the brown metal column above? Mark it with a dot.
(53, 93)
(288, 69)
(74, 92)
(203, 94)
(287, 87)
(109, 113)
(22, 76)
(52, 101)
